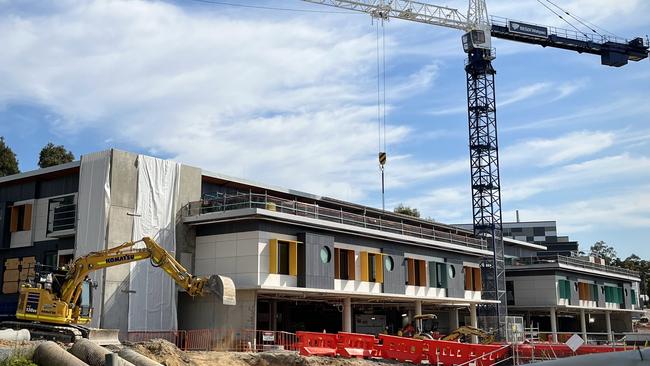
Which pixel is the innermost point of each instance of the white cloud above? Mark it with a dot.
(286, 101)
(541, 92)
(628, 208)
(622, 168)
(545, 152)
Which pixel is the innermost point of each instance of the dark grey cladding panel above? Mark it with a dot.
(59, 186)
(395, 280)
(455, 284)
(575, 296)
(18, 192)
(627, 295)
(312, 271)
(601, 295)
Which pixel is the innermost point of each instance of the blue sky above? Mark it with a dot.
(290, 98)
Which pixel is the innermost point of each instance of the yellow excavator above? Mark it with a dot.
(467, 331)
(57, 305)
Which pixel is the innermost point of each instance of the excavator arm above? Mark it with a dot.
(159, 257)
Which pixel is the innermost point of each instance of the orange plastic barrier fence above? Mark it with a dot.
(454, 353)
(356, 345)
(401, 349)
(317, 344)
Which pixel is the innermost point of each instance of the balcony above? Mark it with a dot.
(574, 262)
(386, 222)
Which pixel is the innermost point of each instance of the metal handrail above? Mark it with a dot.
(227, 202)
(574, 262)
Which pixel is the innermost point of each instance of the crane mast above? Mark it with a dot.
(479, 28)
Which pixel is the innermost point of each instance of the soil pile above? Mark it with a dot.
(162, 351)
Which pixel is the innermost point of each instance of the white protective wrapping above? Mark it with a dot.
(152, 299)
(93, 204)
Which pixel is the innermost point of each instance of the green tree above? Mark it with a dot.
(602, 250)
(54, 155)
(642, 266)
(8, 161)
(406, 210)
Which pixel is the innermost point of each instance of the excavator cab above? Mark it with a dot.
(85, 302)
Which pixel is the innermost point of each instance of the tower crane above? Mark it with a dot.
(479, 28)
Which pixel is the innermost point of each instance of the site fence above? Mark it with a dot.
(343, 215)
(232, 340)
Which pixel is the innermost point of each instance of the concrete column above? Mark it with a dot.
(608, 324)
(453, 319)
(473, 320)
(418, 307)
(273, 315)
(583, 325)
(347, 314)
(553, 326)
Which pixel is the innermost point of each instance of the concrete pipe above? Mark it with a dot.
(93, 354)
(136, 358)
(51, 354)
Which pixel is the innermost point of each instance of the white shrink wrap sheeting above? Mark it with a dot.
(93, 204)
(152, 299)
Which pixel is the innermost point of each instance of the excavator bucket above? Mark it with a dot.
(224, 288)
(103, 337)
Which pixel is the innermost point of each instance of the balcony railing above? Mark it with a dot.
(575, 262)
(228, 202)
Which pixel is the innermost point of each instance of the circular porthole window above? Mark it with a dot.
(576, 286)
(625, 292)
(325, 254)
(452, 271)
(602, 289)
(390, 264)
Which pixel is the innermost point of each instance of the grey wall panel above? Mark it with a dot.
(312, 272)
(601, 294)
(575, 298)
(395, 280)
(455, 284)
(627, 295)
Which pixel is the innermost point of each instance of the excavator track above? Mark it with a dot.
(64, 333)
(57, 333)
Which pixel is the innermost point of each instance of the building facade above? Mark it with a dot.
(299, 261)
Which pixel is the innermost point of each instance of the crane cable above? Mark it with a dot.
(561, 17)
(591, 26)
(381, 102)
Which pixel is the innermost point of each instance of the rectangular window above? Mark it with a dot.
(372, 269)
(594, 292)
(510, 292)
(433, 278)
(633, 297)
(61, 214)
(416, 274)
(441, 275)
(283, 257)
(583, 291)
(344, 264)
(473, 279)
(21, 218)
(565, 289)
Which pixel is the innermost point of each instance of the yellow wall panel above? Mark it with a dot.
(273, 256)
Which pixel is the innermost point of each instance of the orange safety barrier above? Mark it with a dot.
(356, 345)
(560, 350)
(401, 349)
(454, 353)
(317, 344)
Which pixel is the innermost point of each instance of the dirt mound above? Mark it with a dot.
(162, 351)
(275, 359)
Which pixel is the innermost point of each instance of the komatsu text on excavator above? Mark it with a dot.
(58, 304)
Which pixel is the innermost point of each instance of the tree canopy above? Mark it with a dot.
(54, 155)
(406, 210)
(602, 250)
(8, 161)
